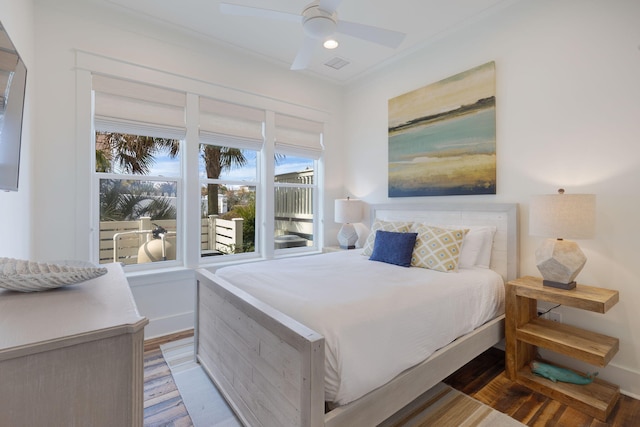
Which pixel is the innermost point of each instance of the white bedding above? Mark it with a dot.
(377, 319)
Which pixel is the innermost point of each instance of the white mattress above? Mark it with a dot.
(377, 319)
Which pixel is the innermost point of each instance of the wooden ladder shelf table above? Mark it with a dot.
(525, 331)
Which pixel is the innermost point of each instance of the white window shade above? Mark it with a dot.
(104, 124)
(133, 107)
(231, 125)
(298, 137)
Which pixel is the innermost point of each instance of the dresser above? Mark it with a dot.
(72, 356)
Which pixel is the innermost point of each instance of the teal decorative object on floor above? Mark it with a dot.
(556, 374)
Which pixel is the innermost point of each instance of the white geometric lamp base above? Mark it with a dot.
(559, 262)
(347, 236)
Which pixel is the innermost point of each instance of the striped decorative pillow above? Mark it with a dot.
(437, 248)
(395, 226)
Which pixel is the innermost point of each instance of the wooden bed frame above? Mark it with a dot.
(270, 368)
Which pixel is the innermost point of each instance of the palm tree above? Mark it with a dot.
(218, 159)
(134, 154)
(130, 200)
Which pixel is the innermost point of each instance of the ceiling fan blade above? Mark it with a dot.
(239, 10)
(303, 58)
(329, 5)
(378, 35)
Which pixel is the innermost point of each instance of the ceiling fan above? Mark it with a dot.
(319, 21)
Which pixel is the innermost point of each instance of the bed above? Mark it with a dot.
(278, 369)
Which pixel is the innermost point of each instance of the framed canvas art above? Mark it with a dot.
(442, 137)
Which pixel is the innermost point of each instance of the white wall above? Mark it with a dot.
(62, 27)
(568, 114)
(15, 207)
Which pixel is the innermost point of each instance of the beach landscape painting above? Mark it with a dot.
(442, 137)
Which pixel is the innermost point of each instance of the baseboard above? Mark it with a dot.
(627, 379)
(163, 326)
(155, 343)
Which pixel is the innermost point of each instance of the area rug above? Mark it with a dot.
(203, 401)
(440, 406)
(443, 405)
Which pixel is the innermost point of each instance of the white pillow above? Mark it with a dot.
(471, 248)
(476, 246)
(484, 257)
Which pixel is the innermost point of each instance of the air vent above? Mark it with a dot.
(337, 63)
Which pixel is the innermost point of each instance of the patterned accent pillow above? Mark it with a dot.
(437, 248)
(395, 226)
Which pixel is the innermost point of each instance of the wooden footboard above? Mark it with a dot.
(269, 367)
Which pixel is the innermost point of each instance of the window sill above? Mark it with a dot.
(174, 273)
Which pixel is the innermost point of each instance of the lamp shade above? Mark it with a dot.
(560, 216)
(348, 211)
(563, 216)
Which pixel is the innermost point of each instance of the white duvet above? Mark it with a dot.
(377, 319)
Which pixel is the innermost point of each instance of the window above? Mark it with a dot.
(298, 146)
(180, 178)
(228, 178)
(294, 205)
(137, 171)
(231, 137)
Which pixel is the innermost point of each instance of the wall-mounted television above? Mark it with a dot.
(13, 79)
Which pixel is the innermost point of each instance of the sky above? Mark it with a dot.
(165, 166)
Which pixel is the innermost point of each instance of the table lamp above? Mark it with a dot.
(348, 211)
(560, 216)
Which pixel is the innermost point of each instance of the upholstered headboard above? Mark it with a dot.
(503, 216)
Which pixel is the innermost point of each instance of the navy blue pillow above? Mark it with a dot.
(393, 248)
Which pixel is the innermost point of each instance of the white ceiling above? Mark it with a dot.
(423, 21)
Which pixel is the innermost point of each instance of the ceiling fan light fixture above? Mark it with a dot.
(319, 27)
(330, 44)
(319, 21)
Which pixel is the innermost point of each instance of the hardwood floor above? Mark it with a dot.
(483, 378)
(163, 406)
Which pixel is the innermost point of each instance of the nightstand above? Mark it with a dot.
(525, 331)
